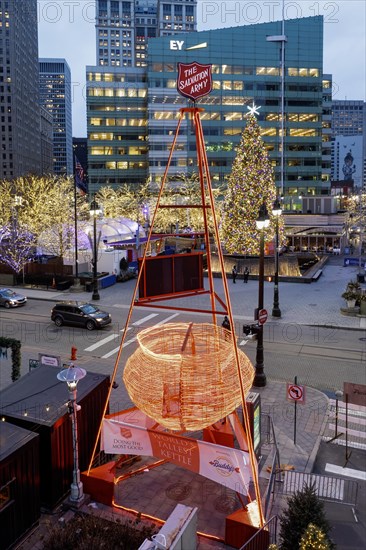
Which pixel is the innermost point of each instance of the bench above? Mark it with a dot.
(316, 275)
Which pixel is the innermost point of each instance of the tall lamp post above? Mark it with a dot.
(276, 211)
(71, 376)
(262, 222)
(95, 211)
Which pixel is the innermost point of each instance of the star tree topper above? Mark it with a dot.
(253, 110)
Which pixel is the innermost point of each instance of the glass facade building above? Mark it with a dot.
(144, 103)
(125, 26)
(55, 96)
(19, 93)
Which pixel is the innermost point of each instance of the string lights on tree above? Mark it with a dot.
(251, 184)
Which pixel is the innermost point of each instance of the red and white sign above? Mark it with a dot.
(229, 467)
(262, 316)
(194, 80)
(295, 392)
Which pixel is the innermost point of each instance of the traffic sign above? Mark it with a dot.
(296, 393)
(262, 316)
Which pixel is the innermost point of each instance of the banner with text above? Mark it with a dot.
(224, 465)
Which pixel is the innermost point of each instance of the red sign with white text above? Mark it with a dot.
(262, 316)
(194, 80)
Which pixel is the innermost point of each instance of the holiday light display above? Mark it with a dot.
(184, 376)
(251, 183)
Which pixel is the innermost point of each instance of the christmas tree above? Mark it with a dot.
(303, 508)
(251, 183)
(313, 539)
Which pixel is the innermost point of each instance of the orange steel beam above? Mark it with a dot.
(253, 460)
(205, 188)
(124, 334)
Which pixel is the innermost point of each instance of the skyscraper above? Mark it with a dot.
(348, 117)
(19, 91)
(117, 89)
(132, 115)
(349, 142)
(124, 27)
(55, 96)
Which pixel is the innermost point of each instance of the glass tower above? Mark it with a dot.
(19, 93)
(55, 96)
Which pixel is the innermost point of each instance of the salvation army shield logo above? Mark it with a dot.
(194, 80)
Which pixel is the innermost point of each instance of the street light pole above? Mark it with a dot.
(276, 211)
(71, 376)
(94, 211)
(260, 378)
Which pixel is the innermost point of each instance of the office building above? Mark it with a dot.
(124, 27)
(114, 116)
(117, 88)
(19, 91)
(349, 143)
(55, 96)
(46, 131)
(348, 118)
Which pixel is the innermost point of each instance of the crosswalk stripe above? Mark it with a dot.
(102, 342)
(352, 419)
(354, 433)
(349, 472)
(147, 318)
(115, 336)
(115, 350)
(342, 443)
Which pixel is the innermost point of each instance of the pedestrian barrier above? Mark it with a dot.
(331, 489)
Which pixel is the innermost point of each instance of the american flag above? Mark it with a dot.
(80, 182)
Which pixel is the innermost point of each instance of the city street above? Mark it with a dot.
(321, 357)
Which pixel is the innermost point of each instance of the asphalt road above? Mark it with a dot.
(321, 357)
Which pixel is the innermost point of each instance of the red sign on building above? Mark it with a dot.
(194, 80)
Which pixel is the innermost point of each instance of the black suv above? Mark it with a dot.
(79, 314)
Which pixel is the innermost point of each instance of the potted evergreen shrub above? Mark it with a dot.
(350, 296)
(362, 298)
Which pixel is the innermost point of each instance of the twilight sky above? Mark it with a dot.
(67, 30)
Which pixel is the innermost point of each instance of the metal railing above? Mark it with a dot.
(266, 536)
(327, 488)
(269, 436)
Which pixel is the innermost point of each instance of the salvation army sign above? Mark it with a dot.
(194, 80)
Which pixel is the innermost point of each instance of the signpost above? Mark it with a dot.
(295, 393)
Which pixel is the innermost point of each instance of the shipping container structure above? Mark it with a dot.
(19, 482)
(39, 402)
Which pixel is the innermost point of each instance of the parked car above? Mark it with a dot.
(9, 298)
(79, 314)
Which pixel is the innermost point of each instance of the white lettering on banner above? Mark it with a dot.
(176, 44)
(229, 467)
(121, 438)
